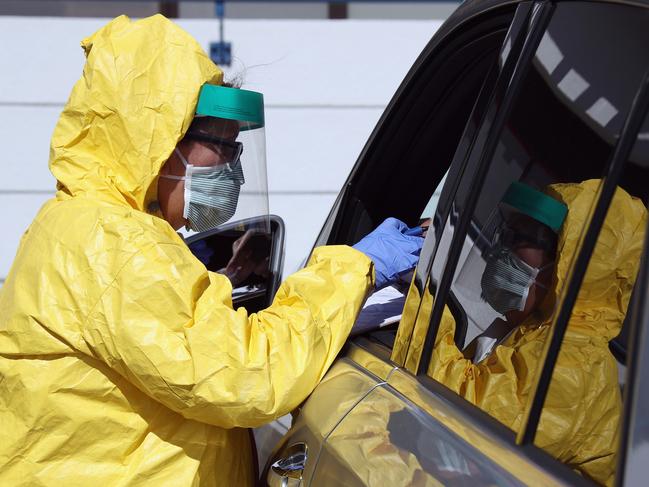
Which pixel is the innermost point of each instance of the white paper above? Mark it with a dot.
(382, 308)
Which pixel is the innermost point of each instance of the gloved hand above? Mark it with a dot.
(394, 248)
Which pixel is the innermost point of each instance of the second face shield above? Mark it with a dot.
(497, 274)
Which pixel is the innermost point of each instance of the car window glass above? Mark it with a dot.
(599, 316)
(429, 211)
(556, 143)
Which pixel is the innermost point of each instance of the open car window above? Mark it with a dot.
(408, 174)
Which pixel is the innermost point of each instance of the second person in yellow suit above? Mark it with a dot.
(122, 360)
(581, 413)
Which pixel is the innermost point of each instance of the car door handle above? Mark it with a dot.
(288, 469)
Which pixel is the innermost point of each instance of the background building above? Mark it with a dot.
(326, 83)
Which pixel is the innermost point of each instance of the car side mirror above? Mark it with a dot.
(261, 255)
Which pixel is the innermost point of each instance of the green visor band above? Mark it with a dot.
(247, 107)
(535, 204)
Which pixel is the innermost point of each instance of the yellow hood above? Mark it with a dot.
(134, 102)
(605, 292)
(122, 361)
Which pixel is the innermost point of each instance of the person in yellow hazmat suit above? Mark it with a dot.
(122, 361)
(579, 422)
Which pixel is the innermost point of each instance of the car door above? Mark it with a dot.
(398, 433)
(613, 151)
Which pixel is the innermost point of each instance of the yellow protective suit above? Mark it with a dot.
(579, 422)
(122, 361)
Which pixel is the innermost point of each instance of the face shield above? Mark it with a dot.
(230, 123)
(511, 258)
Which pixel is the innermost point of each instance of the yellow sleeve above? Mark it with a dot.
(498, 384)
(167, 325)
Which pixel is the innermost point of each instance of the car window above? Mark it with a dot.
(600, 314)
(406, 177)
(509, 261)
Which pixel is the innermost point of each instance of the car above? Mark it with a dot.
(539, 92)
(505, 92)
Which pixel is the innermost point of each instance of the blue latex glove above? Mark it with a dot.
(394, 248)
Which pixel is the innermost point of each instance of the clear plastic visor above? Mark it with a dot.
(242, 145)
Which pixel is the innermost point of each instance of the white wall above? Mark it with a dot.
(203, 9)
(255, 10)
(325, 84)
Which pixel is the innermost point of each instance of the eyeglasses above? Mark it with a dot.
(229, 149)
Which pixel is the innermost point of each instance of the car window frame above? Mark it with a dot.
(489, 24)
(527, 28)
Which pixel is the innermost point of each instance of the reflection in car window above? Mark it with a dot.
(386, 441)
(552, 153)
(598, 317)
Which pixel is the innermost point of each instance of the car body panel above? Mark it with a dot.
(344, 385)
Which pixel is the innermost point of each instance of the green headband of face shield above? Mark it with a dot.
(535, 204)
(244, 106)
